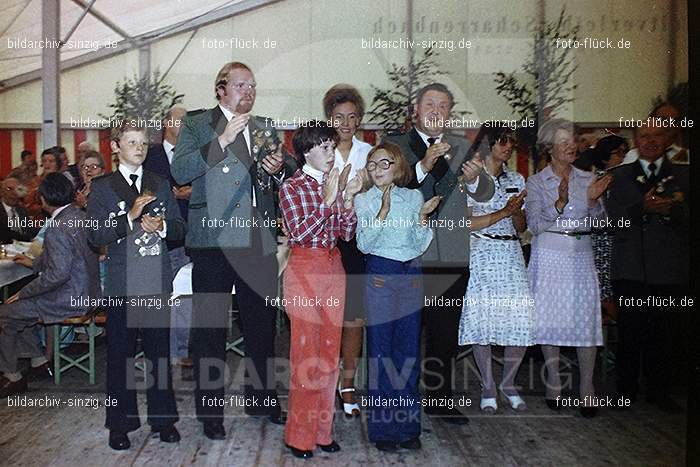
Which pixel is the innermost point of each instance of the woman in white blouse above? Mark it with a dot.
(344, 109)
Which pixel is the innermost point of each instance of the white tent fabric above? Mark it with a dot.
(21, 36)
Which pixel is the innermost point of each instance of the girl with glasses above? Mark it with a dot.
(392, 232)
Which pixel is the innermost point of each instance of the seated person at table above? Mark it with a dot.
(127, 206)
(14, 222)
(66, 270)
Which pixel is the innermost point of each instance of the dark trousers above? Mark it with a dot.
(645, 338)
(441, 325)
(214, 272)
(123, 323)
(394, 302)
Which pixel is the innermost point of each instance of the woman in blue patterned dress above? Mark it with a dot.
(497, 307)
(562, 205)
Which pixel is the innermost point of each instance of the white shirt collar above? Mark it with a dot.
(8, 209)
(645, 165)
(58, 211)
(424, 137)
(315, 173)
(126, 172)
(169, 150)
(229, 115)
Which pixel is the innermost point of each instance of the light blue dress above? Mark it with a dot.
(497, 307)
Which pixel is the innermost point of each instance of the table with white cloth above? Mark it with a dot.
(11, 272)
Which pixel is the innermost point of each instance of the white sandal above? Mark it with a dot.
(488, 404)
(516, 402)
(349, 409)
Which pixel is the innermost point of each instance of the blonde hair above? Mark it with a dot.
(222, 75)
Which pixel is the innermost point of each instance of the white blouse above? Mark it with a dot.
(357, 157)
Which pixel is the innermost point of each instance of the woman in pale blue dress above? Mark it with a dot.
(562, 204)
(497, 307)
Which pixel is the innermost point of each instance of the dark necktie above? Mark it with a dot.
(440, 167)
(652, 172)
(133, 178)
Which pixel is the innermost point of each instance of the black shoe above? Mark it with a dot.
(118, 440)
(387, 446)
(40, 373)
(10, 388)
(300, 453)
(553, 404)
(168, 434)
(413, 444)
(447, 415)
(279, 419)
(214, 430)
(588, 412)
(333, 447)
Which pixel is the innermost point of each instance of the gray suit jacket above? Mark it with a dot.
(128, 273)
(220, 212)
(67, 268)
(653, 249)
(450, 248)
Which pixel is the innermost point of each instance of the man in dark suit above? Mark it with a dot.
(232, 240)
(158, 160)
(648, 206)
(440, 168)
(127, 205)
(66, 270)
(15, 224)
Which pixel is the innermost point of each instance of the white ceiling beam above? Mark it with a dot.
(103, 19)
(77, 23)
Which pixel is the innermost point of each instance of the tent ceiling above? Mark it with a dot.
(21, 19)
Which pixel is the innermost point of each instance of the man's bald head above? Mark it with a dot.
(10, 194)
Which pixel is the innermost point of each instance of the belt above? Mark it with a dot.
(576, 234)
(495, 237)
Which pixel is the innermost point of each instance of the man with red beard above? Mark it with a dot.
(234, 162)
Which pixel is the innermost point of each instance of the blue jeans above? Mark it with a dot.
(394, 303)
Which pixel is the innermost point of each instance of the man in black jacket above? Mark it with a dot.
(649, 209)
(15, 224)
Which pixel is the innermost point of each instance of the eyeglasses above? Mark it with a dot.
(384, 164)
(240, 86)
(87, 167)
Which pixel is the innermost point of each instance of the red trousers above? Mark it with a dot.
(314, 294)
